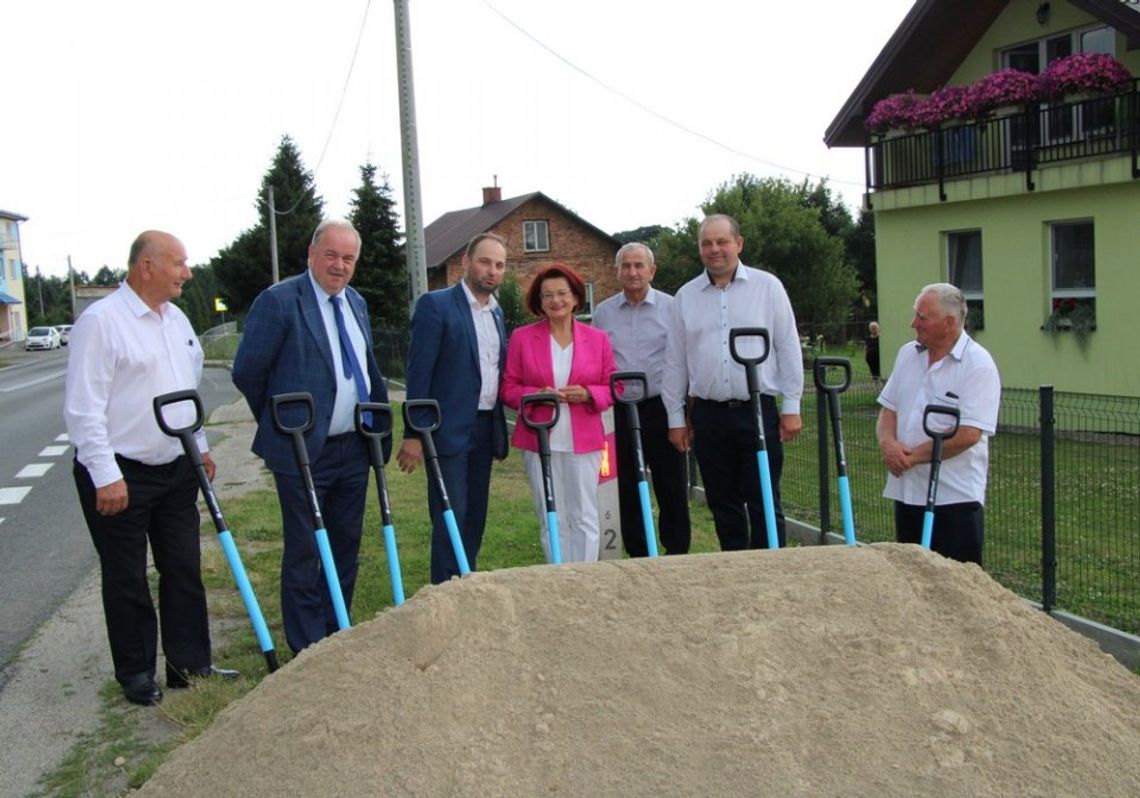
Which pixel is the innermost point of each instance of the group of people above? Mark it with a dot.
(312, 333)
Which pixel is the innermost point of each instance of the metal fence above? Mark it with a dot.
(1093, 489)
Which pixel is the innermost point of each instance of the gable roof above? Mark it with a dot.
(931, 42)
(449, 234)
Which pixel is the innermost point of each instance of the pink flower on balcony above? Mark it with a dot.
(895, 111)
(1007, 87)
(1098, 73)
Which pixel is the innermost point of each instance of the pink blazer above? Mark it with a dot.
(530, 368)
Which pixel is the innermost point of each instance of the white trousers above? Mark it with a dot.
(575, 478)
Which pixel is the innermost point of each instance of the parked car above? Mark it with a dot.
(42, 338)
(64, 333)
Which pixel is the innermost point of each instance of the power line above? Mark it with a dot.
(339, 105)
(653, 112)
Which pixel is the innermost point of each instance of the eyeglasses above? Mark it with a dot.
(563, 294)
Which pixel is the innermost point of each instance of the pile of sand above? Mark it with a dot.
(882, 671)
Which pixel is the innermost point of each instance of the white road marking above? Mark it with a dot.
(13, 495)
(53, 451)
(30, 383)
(62, 438)
(33, 470)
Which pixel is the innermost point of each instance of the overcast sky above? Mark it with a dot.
(122, 116)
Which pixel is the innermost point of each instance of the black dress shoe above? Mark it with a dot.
(177, 679)
(141, 689)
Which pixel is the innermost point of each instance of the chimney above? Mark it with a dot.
(492, 194)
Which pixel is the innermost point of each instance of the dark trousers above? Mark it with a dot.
(670, 482)
(724, 441)
(162, 508)
(340, 475)
(467, 477)
(959, 529)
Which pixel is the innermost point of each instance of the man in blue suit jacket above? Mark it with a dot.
(291, 343)
(456, 356)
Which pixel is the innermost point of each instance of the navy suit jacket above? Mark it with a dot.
(284, 349)
(443, 364)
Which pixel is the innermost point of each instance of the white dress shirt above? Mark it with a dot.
(487, 336)
(697, 357)
(967, 379)
(638, 333)
(343, 418)
(121, 356)
(562, 361)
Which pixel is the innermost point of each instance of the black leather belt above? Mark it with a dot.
(731, 404)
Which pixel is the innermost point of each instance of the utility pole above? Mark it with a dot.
(40, 290)
(71, 282)
(273, 236)
(414, 249)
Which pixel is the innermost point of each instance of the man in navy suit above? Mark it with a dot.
(456, 356)
(311, 333)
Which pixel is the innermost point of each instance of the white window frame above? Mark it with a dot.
(536, 235)
(587, 313)
(975, 296)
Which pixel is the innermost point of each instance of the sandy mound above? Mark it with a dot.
(883, 671)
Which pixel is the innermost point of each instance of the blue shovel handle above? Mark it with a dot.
(252, 608)
(845, 508)
(769, 501)
(393, 565)
(555, 543)
(647, 518)
(456, 542)
(329, 567)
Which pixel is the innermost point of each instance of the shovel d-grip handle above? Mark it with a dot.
(299, 398)
(539, 399)
(378, 410)
(624, 379)
(820, 373)
(940, 410)
(174, 397)
(422, 404)
(749, 332)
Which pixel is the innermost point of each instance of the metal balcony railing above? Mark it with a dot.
(1022, 140)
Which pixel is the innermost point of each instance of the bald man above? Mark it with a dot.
(135, 483)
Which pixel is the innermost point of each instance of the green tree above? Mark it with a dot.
(244, 268)
(381, 274)
(648, 234)
(786, 231)
(861, 254)
(510, 299)
(52, 294)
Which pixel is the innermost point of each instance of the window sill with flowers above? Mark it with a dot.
(1075, 315)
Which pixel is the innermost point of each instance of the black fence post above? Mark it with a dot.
(821, 419)
(1048, 502)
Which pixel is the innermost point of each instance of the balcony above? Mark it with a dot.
(1023, 140)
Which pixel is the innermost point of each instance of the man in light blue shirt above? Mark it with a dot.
(702, 377)
(637, 321)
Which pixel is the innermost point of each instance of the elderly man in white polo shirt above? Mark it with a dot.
(944, 366)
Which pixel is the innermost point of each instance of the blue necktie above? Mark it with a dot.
(348, 357)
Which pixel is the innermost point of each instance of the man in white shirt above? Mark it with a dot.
(637, 321)
(942, 366)
(456, 356)
(699, 368)
(135, 483)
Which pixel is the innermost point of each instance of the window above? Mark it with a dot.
(1059, 125)
(1073, 272)
(964, 268)
(587, 313)
(536, 236)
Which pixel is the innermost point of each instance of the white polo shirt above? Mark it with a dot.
(967, 379)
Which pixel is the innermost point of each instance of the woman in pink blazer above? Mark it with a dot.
(561, 355)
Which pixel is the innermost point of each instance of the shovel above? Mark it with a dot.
(937, 436)
(631, 399)
(432, 458)
(374, 411)
(301, 452)
(542, 431)
(752, 374)
(832, 390)
(229, 548)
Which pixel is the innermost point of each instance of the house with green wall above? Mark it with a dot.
(1033, 210)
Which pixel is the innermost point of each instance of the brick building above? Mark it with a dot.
(537, 230)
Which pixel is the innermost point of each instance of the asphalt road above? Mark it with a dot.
(45, 550)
